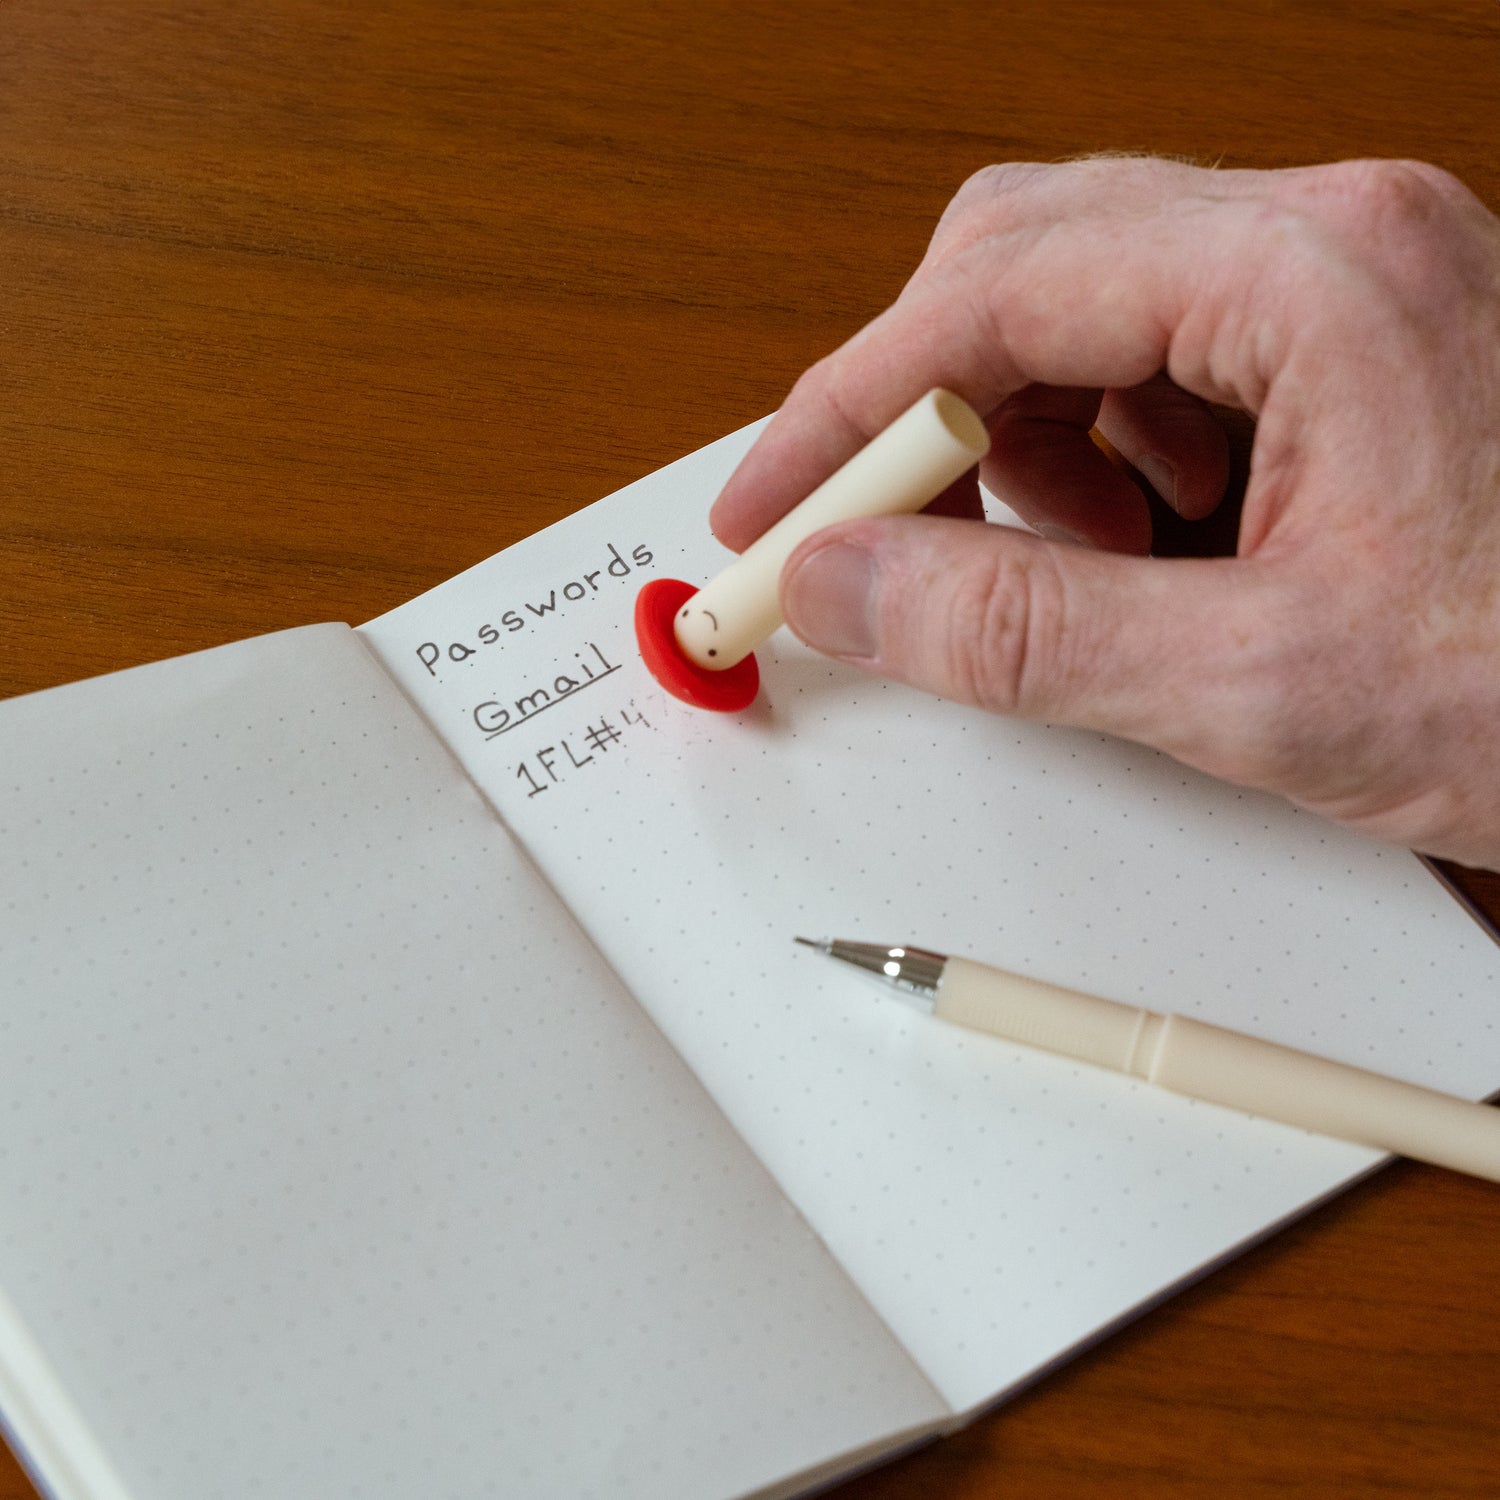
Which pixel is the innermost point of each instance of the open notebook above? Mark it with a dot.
(409, 1084)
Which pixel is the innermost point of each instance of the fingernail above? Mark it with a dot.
(1161, 475)
(830, 600)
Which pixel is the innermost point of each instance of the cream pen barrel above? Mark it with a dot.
(1194, 1058)
(903, 468)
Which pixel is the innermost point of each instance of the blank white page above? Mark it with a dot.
(999, 1207)
(334, 1161)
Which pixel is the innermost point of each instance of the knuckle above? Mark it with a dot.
(984, 197)
(1006, 622)
(820, 388)
(1371, 250)
(1436, 182)
(1381, 197)
(998, 180)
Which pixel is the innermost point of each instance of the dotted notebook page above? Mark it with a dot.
(333, 1160)
(999, 1207)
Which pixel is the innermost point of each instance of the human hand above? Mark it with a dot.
(1348, 657)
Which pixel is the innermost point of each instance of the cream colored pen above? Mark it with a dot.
(1192, 1057)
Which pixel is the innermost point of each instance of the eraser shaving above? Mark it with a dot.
(705, 636)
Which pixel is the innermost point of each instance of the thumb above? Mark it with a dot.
(1179, 653)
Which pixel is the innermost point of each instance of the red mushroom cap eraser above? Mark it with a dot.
(724, 692)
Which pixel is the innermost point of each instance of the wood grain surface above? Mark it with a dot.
(307, 305)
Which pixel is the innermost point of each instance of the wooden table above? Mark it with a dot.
(307, 305)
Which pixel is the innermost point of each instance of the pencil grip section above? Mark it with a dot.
(1331, 1098)
(1037, 1014)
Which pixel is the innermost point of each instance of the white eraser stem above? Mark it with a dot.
(906, 467)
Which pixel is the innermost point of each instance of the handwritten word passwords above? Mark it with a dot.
(532, 611)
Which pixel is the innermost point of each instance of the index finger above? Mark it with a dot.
(1124, 286)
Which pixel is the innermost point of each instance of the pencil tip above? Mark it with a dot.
(806, 942)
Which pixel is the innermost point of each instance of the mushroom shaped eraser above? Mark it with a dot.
(698, 643)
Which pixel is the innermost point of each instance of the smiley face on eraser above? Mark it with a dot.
(657, 607)
(710, 633)
(700, 627)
